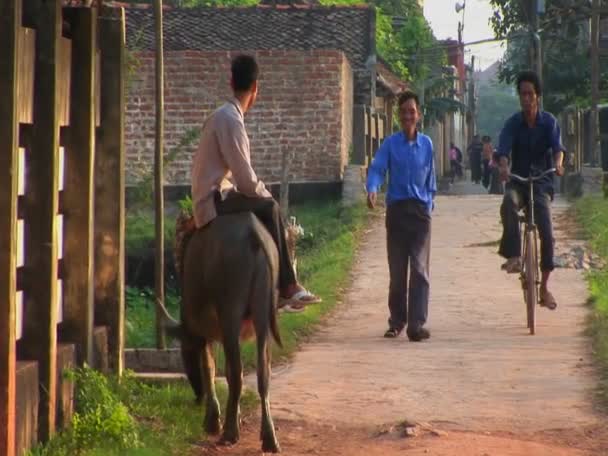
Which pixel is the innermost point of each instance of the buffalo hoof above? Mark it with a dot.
(229, 437)
(271, 446)
(211, 423)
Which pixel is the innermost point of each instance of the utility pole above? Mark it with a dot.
(595, 77)
(159, 206)
(537, 53)
(472, 103)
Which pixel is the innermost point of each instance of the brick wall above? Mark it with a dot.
(304, 104)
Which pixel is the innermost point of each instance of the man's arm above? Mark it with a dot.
(431, 180)
(557, 149)
(376, 173)
(234, 145)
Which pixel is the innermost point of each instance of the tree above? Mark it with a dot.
(496, 103)
(566, 60)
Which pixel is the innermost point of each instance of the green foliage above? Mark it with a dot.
(140, 231)
(140, 315)
(566, 61)
(100, 419)
(143, 191)
(592, 213)
(185, 204)
(496, 103)
(136, 418)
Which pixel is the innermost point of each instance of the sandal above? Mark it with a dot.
(391, 333)
(292, 308)
(303, 297)
(547, 300)
(512, 266)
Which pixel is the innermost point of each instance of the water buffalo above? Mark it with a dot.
(229, 286)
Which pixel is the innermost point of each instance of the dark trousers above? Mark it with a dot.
(408, 241)
(267, 211)
(476, 167)
(486, 173)
(515, 198)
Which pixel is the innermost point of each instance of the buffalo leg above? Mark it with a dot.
(192, 350)
(212, 409)
(234, 375)
(268, 436)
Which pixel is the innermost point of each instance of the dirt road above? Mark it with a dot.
(480, 386)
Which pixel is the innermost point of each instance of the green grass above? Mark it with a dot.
(140, 315)
(325, 254)
(592, 213)
(140, 231)
(131, 418)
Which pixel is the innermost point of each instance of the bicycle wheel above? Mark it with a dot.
(531, 271)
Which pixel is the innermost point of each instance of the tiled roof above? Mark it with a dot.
(299, 27)
(388, 79)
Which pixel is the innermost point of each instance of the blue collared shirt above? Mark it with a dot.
(411, 168)
(531, 147)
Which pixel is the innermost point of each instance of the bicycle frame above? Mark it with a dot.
(530, 273)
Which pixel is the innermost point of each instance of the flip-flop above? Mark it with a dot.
(511, 267)
(287, 308)
(391, 333)
(303, 297)
(547, 300)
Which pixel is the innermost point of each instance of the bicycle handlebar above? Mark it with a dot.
(532, 178)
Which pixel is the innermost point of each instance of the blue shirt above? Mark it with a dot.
(531, 148)
(411, 168)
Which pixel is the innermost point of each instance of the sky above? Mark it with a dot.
(444, 21)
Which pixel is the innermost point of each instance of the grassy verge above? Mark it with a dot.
(592, 213)
(131, 418)
(325, 255)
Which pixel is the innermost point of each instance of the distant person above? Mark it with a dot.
(455, 156)
(486, 158)
(532, 139)
(408, 158)
(475, 150)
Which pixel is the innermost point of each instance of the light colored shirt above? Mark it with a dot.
(222, 162)
(411, 168)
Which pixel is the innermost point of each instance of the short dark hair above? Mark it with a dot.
(408, 95)
(244, 72)
(531, 77)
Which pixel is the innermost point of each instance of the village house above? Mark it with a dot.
(319, 75)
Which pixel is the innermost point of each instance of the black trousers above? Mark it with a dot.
(268, 212)
(515, 198)
(408, 241)
(486, 173)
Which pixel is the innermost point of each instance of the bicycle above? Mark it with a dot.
(530, 271)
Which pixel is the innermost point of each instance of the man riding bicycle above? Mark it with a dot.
(533, 140)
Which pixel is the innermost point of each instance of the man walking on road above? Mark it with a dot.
(533, 140)
(408, 157)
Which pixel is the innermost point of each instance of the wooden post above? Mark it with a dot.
(39, 341)
(159, 206)
(77, 325)
(595, 78)
(358, 157)
(110, 186)
(369, 153)
(10, 21)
